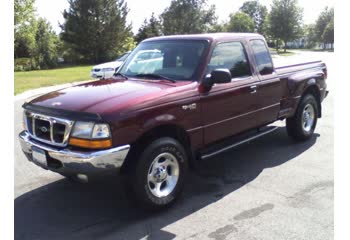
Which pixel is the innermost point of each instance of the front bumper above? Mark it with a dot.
(69, 162)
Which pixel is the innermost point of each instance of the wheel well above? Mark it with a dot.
(313, 90)
(172, 131)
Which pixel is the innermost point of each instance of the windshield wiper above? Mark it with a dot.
(154, 75)
(120, 74)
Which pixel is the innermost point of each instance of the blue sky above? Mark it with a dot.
(52, 9)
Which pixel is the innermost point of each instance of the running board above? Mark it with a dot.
(248, 136)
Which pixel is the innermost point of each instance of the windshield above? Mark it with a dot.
(172, 59)
(122, 57)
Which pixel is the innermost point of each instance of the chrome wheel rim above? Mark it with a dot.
(308, 117)
(163, 175)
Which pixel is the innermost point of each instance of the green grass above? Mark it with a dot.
(43, 78)
(287, 53)
(313, 50)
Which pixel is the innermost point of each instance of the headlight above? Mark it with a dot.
(108, 69)
(90, 135)
(101, 131)
(82, 129)
(90, 130)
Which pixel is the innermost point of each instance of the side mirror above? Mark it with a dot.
(220, 75)
(266, 70)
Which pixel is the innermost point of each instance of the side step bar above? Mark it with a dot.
(257, 134)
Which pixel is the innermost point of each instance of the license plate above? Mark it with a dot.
(39, 156)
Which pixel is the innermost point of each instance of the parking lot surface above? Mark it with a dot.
(270, 188)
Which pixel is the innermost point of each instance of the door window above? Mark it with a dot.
(262, 57)
(231, 56)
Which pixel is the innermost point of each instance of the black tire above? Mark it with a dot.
(296, 126)
(137, 183)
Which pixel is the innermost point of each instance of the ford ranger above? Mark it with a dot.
(191, 98)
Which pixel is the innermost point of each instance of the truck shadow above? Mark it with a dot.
(100, 210)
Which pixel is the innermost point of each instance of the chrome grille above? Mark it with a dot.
(50, 130)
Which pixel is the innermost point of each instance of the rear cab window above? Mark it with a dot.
(232, 56)
(262, 57)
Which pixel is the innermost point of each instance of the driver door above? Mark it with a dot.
(229, 108)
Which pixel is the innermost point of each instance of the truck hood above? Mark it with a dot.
(108, 96)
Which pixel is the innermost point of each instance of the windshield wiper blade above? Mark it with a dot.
(120, 74)
(154, 75)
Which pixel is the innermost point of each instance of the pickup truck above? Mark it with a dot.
(200, 95)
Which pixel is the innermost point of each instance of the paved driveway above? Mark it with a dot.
(271, 188)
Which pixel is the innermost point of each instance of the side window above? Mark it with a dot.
(262, 57)
(231, 56)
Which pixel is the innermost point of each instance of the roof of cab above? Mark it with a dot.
(207, 36)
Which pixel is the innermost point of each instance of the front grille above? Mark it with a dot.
(42, 129)
(47, 129)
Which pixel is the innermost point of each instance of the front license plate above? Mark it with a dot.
(39, 156)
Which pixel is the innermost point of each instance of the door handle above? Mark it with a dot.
(253, 89)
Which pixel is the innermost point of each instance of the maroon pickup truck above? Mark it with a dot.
(174, 101)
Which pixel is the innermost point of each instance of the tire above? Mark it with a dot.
(157, 177)
(302, 125)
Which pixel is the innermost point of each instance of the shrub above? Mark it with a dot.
(25, 64)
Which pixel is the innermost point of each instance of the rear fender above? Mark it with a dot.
(301, 84)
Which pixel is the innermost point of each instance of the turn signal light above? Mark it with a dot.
(86, 143)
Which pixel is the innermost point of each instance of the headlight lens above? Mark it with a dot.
(82, 129)
(90, 130)
(100, 131)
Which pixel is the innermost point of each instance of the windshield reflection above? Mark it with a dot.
(176, 60)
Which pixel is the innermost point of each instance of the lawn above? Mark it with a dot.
(43, 78)
(281, 52)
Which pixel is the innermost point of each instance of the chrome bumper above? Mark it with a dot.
(75, 162)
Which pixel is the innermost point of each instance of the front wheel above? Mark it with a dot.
(159, 174)
(302, 125)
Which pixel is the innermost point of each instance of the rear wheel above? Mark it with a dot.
(302, 125)
(157, 178)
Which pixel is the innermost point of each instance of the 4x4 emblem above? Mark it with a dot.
(189, 107)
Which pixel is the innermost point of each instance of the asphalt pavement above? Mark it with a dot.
(270, 188)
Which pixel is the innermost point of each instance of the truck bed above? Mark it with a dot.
(294, 68)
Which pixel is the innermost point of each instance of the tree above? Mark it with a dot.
(310, 34)
(285, 21)
(96, 29)
(325, 18)
(46, 45)
(151, 28)
(188, 16)
(257, 12)
(24, 28)
(328, 34)
(240, 22)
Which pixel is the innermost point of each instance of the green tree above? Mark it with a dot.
(47, 44)
(285, 21)
(96, 29)
(188, 16)
(310, 34)
(151, 28)
(240, 22)
(323, 20)
(257, 12)
(328, 33)
(24, 28)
